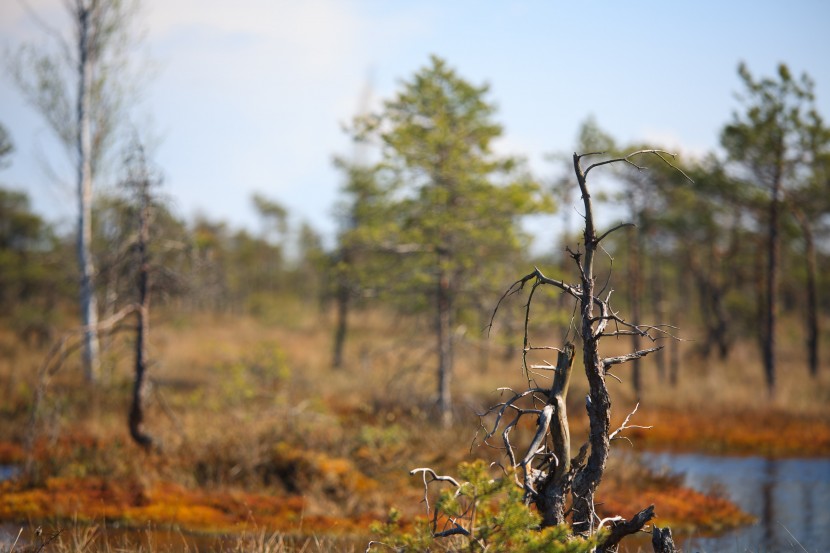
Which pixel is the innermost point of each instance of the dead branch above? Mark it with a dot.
(542, 425)
(384, 544)
(608, 362)
(626, 426)
(501, 408)
(621, 528)
(618, 227)
(454, 531)
(627, 159)
(435, 476)
(539, 278)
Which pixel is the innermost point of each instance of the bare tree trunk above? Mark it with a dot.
(659, 310)
(771, 303)
(713, 311)
(443, 334)
(677, 310)
(483, 345)
(136, 418)
(674, 352)
(88, 305)
(812, 306)
(811, 316)
(598, 402)
(343, 297)
(634, 273)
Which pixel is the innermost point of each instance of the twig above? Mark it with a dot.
(373, 543)
(435, 476)
(618, 227)
(626, 426)
(608, 362)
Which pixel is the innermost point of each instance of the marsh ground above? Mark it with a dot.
(260, 434)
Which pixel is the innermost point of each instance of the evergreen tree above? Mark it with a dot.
(767, 142)
(455, 203)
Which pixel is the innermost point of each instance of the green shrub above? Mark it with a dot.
(482, 513)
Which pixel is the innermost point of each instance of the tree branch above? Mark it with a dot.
(626, 426)
(618, 227)
(621, 528)
(610, 361)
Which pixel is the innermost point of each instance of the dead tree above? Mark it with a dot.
(549, 477)
(140, 181)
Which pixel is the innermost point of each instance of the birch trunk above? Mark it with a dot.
(88, 304)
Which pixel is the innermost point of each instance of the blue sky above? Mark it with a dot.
(250, 96)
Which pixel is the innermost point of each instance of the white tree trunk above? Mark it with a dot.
(89, 307)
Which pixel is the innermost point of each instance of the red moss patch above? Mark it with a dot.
(768, 433)
(164, 504)
(10, 453)
(679, 507)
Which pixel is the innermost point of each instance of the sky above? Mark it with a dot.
(251, 96)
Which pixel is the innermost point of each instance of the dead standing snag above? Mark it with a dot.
(544, 470)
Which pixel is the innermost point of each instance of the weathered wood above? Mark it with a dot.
(136, 416)
(560, 431)
(621, 528)
(661, 540)
(599, 402)
(554, 492)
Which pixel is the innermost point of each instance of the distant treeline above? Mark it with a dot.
(716, 238)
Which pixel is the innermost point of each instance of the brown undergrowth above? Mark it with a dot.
(258, 431)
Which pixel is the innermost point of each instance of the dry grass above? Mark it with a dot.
(97, 538)
(258, 431)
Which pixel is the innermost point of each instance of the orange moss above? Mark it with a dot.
(770, 433)
(164, 504)
(10, 453)
(679, 507)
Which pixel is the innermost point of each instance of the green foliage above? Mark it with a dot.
(261, 371)
(434, 226)
(444, 195)
(770, 137)
(47, 74)
(6, 146)
(31, 281)
(493, 515)
(274, 216)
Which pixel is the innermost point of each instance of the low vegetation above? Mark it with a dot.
(258, 432)
(279, 389)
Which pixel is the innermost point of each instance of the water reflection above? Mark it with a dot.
(790, 497)
(8, 471)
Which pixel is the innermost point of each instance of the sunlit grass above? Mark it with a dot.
(259, 431)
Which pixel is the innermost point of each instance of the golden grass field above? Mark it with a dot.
(261, 436)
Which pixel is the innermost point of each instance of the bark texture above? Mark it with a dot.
(88, 304)
(136, 417)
